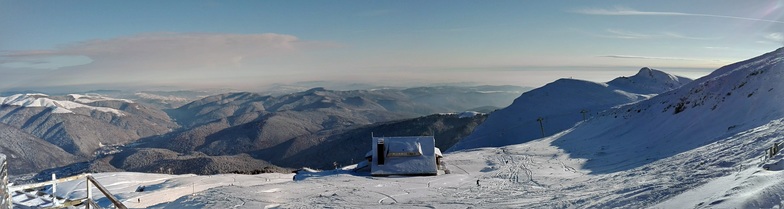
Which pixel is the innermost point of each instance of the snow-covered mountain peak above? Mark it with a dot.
(754, 85)
(57, 106)
(648, 73)
(649, 81)
(736, 98)
(90, 98)
(559, 105)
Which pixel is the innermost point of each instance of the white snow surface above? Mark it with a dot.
(57, 106)
(468, 114)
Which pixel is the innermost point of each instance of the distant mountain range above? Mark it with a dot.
(76, 124)
(80, 124)
(273, 128)
(559, 105)
(205, 133)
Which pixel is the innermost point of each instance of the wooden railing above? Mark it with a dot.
(114, 200)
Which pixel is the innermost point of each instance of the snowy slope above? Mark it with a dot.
(90, 98)
(57, 106)
(80, 124)
(560, 104)
(711, 108)
(27, 153)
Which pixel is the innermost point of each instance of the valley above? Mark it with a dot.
(234, 132)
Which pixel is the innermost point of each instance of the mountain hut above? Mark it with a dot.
(409, 155)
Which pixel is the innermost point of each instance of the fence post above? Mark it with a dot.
(89, 193)
(541, 125)
(5, 196)
(54, 190)
(767, 153)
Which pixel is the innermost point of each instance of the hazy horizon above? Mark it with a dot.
(251, 45)
(541, 77)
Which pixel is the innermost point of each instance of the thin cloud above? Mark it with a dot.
(625, 11)
(716, 47)
(27, 53)
(680, 36)
(178, 45)
(623, 34)
(775, 37)
(648, 57)
(186, 49)
(162, 57)
(771, 39)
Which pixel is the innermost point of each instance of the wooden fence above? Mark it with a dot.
(88, 201)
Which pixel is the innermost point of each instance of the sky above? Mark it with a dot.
(254, 44)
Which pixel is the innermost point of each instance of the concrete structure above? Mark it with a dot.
(410, 155)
